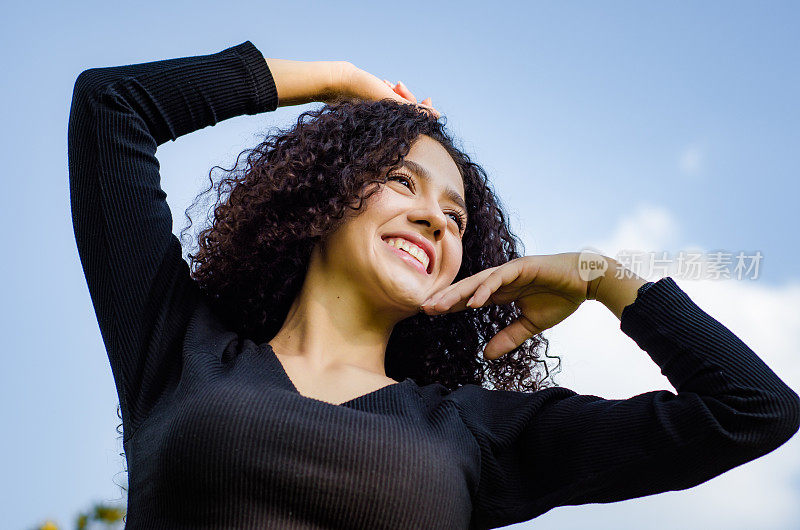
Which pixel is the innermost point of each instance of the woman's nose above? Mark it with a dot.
(435, 217)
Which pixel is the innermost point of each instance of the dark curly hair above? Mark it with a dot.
(299, 185)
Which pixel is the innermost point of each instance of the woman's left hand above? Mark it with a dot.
(547, 289)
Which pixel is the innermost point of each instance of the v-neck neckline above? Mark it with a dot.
(293, 388)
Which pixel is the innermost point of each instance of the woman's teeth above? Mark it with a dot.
(409, 247)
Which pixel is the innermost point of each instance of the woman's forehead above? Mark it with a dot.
(433, 163)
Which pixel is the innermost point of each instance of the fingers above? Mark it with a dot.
(405, 92)
(510, 337)
(452, 297)
(493, 282)
(431, 110)
(401, 90)
(476, 290)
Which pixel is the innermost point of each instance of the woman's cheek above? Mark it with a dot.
(451, 261)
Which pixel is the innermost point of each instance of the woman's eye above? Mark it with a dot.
(459, 218)
(401, 178)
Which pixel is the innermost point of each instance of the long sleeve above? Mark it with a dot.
(555, 447)
(139, 284)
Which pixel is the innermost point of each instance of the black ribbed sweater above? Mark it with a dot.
(216, 435)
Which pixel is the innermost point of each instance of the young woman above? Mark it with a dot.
(321, 366)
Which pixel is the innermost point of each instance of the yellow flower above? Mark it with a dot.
(108, 514)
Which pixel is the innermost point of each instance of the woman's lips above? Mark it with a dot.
(408, 258)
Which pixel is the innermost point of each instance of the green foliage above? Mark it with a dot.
(105, 516)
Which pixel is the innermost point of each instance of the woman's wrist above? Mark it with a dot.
(618, 287)
(300, 82)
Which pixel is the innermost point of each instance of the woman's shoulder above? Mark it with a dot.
(476, 398)
(207, 333)
(494, 410)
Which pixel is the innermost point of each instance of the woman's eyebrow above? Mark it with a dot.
(425, 175)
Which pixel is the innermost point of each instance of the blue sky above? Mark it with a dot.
(659, 127)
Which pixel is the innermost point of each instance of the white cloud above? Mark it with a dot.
(649, 242)
(597, 358)
(647, 228)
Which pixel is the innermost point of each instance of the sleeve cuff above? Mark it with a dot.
(260, 76)
(643, 288)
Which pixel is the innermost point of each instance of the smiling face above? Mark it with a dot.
(357, 255)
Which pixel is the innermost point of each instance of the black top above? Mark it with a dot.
(216, 435)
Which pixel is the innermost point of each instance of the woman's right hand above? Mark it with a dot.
(351, 81)
(300, 82)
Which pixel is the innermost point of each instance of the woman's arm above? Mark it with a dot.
(139, 283)
(300, 82)
(556, 447)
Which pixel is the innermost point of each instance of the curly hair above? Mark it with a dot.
(299, 185)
